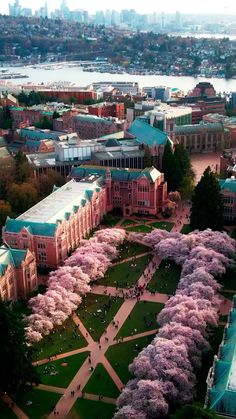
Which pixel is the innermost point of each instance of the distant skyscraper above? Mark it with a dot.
(15, 9)
(178, 19)
(162, 20)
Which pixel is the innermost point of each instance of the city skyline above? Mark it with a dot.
(183, 6)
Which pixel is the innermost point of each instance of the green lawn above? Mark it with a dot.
(228, 295)
(233, 234)
(127, 222)
(100, 383)
(21, 308)
(60, 373)
(140, 229)
(129, 249)
(6, 412)
(186, 229)
(41, 402)
(228, 281)
(163, 225)
(64, 338)
(97, 311)
(110, 220)
(96, 409)
(207, 362)
(142, 318)
(125, 274)
(165, 278)
(122, 354)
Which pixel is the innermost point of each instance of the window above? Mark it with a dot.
(41, 245)
(141, 203)
(42, 256)
(143, 188)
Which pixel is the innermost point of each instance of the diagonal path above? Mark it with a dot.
(98, 350)
(11, 404)
(53, 389)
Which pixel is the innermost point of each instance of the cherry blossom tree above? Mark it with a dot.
(69, 283)
(168, 363)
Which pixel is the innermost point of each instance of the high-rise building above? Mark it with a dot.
(15, 9)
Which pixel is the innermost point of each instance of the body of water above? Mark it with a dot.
(80, 78)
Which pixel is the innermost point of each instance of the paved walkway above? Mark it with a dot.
(97, 350)
(16, 409)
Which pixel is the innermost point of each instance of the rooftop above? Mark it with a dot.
(146, 134)
(94, 119)
(10, 256)
(228, 184)
(113, 155)
(222, 377)
(118, 174)
(61, 201)
(183, 129)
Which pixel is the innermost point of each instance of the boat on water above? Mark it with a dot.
(6, 75)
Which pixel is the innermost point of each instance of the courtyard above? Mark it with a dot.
(83, 364)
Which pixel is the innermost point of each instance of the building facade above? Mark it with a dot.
(228, 190)
(221, 380)
(203, 89)
(55, 226)
(18, 274)
(134, 191)
(202, 137)
(106, 109)
(88, 126)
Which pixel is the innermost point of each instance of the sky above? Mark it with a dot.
(168, 6)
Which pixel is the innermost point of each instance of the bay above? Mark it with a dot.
(81, 78)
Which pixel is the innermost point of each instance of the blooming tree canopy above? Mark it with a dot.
(69, 283)
(164, 370)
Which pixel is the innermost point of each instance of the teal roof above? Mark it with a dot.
(194, 128)
(10, 256)
(37, 134)
(116, 173)
(38, 229)
(222, 393)
(228, 184)
(146, 134)
(112, 142)
(94, 119)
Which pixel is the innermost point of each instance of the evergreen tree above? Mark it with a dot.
(194, 411)
(187, 174)
(171, 168)
(147, 161)
(183, 159)
(207, 203)
(16, 368)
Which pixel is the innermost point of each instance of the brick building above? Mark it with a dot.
(106, 109)
(150, 137)
(134, 191)
(202, 137)
(55, 226)
(88, 126)
(202, 89)
(18, 274)
(228, 190)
